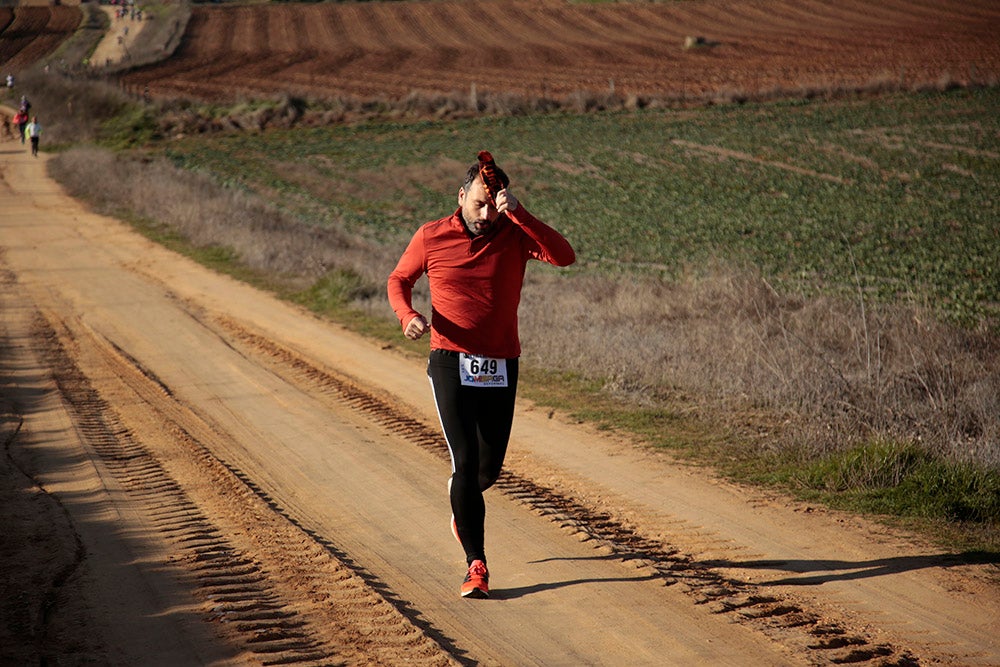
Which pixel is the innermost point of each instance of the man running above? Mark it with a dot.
(34, 132)
(21, 121)
(475, 261)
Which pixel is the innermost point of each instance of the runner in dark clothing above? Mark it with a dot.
(475, 261)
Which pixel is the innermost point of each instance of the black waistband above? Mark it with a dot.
(453, 353)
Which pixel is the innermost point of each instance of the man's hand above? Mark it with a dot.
(416, 328)
(506, 201)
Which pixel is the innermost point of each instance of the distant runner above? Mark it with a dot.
(475, 261)
(34, 132)
(21, 121)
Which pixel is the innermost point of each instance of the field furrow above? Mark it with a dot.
(511, 47)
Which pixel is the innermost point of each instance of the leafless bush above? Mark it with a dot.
(184, 117)
(831, 372)
(209, 215)
(839, 372)
(70, 109)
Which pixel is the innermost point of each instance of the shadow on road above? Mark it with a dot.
(512, 593)
(824, 571)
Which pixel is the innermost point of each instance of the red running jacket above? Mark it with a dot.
(475, 281)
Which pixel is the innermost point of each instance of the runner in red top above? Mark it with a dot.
(475, 261)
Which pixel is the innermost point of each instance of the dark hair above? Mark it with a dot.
(473, 173)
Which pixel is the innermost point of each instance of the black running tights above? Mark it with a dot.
(476, 422)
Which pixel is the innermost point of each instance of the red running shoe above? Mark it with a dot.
(477, 581)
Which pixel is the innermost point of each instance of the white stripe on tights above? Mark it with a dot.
(451, 454)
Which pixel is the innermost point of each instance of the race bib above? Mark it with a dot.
(479, 371)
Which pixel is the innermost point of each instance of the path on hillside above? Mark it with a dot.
(196, 473)
(116, 45)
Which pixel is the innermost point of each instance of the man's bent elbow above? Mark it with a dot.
(568, 259)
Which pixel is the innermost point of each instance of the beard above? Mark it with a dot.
(478, 226)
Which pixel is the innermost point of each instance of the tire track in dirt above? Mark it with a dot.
(643, 27)
(237, 583)
(28, 612)
(485, 50)
(246, 584)
(730, 154)
(588, 28)
(823, 639)
(918, 12)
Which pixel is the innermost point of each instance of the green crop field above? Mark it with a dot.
(895, 195)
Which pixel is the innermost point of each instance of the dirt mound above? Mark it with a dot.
(557, 49)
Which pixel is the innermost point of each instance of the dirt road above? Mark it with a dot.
(196, 473)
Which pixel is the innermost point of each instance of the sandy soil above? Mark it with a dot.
(557, 49)
(196, 473)
(118, 41)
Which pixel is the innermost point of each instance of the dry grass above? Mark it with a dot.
(80, 98)
(829, 373)
(789, 370)
(186, 118)
(207, 215)
(70, 109)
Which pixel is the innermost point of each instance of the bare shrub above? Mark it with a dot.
(209, 215)
(180, 117)
(820, 373)
(284, 112)
(840, 372)
(70, 109)
(729, 95)
(832, 372)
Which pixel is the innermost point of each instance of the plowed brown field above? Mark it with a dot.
(27, 34)
(556, 49)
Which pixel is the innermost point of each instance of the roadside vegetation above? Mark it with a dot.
(800, 293)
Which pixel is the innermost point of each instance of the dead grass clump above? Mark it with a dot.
(282, 113)
(843, 372)
(183, 117)
(810, 374)
(943, 83)
(691, 42)
(209, 215)
(70, 109)
(729, 96)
